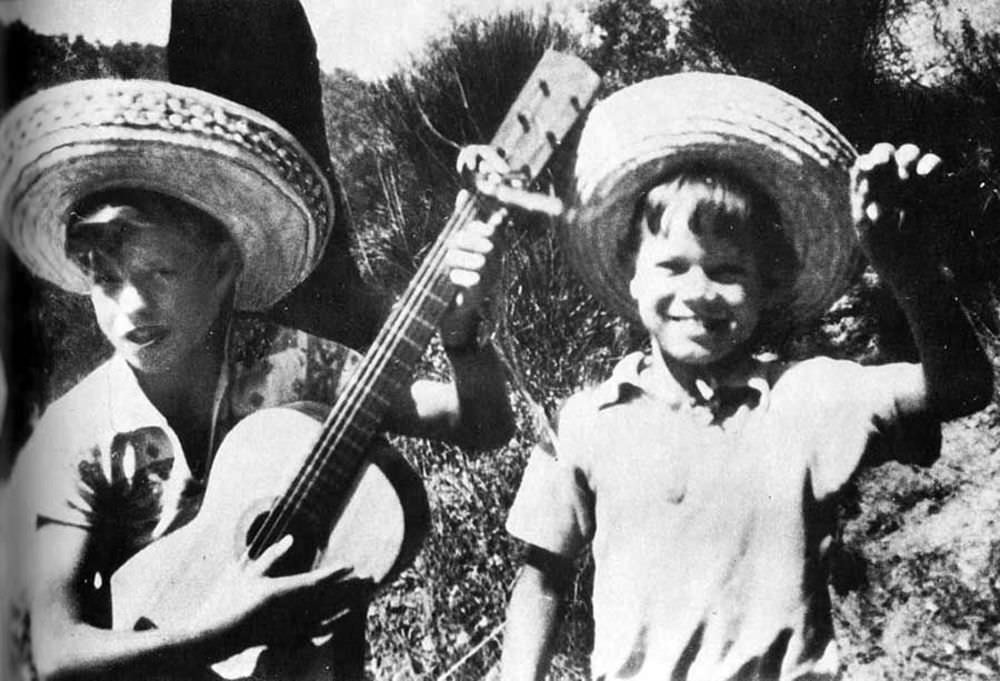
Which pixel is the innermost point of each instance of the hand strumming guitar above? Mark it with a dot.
(286, 607)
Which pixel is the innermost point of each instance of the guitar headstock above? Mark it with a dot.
(556, 94)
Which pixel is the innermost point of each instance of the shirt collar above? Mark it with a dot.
(639, 373)
(130, 408)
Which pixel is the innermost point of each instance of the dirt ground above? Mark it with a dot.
(918, 580)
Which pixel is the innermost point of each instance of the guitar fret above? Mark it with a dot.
(390, 380)
(432, 296)
(556, 94)
(419, 347)
(368, 413)
(378, 397)
(352, 442)
(545, 110)
(335, 474)
(424, 323)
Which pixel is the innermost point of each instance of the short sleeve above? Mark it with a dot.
(860, 422)
(43, 488)
(554, 506)
(47, 484)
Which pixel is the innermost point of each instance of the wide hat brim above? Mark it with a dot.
(643, 133)
(70, 141)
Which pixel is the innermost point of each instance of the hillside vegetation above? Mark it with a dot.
(916, 578)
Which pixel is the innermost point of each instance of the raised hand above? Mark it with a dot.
(481, 160)
(473, 256)
(890, 189)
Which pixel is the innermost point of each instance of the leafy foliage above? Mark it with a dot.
(32, 62)
(638, 42)
(394, 145)
(826, 56)
(455, 93)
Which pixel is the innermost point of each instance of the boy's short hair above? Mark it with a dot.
(754, 215)
(99, 224)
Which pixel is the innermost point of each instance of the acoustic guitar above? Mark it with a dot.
(289, 470)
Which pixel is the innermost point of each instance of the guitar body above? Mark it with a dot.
(278, 462)
(377, 531)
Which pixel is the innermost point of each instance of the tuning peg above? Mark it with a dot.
(515, 197)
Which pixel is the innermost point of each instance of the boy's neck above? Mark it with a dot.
(187, 392)
(688, 381)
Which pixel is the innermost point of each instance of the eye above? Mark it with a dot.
(105, 278)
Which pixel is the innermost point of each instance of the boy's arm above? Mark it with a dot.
(474, 411)
(64, 646)
(533, 615)
(888, 189)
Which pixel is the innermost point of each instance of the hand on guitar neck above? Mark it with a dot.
(193, 595)
(474, 253)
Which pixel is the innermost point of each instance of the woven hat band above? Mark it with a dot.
(72, 140)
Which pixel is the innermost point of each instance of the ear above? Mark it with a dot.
(228, 267)
(633, 287)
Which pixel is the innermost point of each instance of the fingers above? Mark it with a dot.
(906, 158)
(879, 156)
(887, 179)
(469, 251)
(885, 162)
(314, 579)
(481, 158)
(476, 237)
(270, 556)
(332, 574)
(929, 164)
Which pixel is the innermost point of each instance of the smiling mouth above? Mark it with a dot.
(709, 325)
(146, 335)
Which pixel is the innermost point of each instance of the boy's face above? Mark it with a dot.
(697, 286)
(157, 304)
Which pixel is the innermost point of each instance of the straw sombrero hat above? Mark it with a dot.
(643, 133)
(72, 140)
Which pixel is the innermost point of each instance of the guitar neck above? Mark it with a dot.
(386, 371)
(389, 364)
(556, 94)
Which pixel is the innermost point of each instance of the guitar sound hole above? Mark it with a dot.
(299, 558)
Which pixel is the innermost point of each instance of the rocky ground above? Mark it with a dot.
(919, 577)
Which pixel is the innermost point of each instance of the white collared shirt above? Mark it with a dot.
(709, 531)
(102, 458)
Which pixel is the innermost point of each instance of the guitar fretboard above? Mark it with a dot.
(322, 483)
(556, 94)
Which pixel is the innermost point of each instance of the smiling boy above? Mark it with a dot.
(718, 212)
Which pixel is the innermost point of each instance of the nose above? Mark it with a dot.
(131, 299)
(695, 287)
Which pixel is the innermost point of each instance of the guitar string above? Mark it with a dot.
(288, 504)
(387, 342)
(333, 426)
(384, 346)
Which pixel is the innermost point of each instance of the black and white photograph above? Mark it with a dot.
(509, 340)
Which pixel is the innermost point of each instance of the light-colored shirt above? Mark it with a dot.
(102, 458)
(710, 531)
